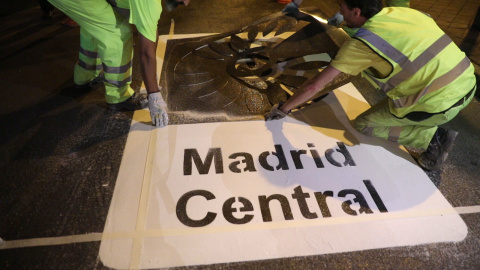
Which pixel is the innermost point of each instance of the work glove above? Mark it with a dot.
(158, 109)
(336, 20)
(290, 9)
(173, 4)
(275, 113)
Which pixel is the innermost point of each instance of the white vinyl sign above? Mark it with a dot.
(308, 184)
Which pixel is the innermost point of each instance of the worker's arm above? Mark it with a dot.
(148, 66)
(148, 63)
(292, 7)
(306, 92)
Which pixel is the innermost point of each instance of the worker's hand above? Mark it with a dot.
(173, 4)
(275, 113)
(183, 2)
(158, 109)
(290, 9)
(336, 20)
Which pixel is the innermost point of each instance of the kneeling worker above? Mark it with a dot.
(402, 52)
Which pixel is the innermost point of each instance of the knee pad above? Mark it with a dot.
(361, 127)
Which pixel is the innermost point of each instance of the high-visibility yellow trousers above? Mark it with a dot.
(378, 121)
(106, 42)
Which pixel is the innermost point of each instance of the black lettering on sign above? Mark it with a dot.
(343, 150)
(228, 210)
(181, 209)
(282, 161)
(358, 199)
(265, 207)
(376, 198)
(301, 198)
(316, 156)
(296, 158)
(264, 203)
(202, 167)
(247, 159)
(322, 202)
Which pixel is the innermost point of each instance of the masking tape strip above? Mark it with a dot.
(172, 27)
(51, 241)
(468, 209)
(142, 207)
(298, 223)
(93, 237)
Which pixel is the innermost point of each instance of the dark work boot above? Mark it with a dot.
(438, 149)
(133, 103)
(91, 84)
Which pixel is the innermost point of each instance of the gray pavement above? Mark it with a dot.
(60, 148)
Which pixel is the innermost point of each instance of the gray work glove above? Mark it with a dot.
(158, 109)
(290, 9)
(336, 20)
(275, 113)
(171, 5)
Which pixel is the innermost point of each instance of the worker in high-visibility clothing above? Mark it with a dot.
(402, 52)
(106, 52)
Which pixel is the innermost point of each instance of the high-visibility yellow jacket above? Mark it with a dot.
(429, 72)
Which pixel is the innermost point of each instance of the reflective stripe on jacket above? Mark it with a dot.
(430, 73)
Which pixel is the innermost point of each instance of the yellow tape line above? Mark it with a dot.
(94, 237)
(142, 207)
